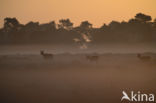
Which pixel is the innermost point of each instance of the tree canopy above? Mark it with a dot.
(139, 29)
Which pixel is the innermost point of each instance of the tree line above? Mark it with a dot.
(139, 29)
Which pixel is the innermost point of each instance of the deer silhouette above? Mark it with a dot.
(141, 57)
(46, 55)
(92, 58)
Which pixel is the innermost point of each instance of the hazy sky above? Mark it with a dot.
(95, 11)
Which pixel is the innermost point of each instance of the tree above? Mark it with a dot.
(48, 26)
(114, 24)
(11, 23)
(52, 24)
(142, 17)
(85, 25)
(104, 26)
(31, 26)
(65, 24)
(133, 21)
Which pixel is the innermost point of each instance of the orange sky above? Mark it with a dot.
(95, 11)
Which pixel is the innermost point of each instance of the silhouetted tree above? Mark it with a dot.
(142, 17)
(11, 24)
(31, 26)
(133, 21)
(138, 29)
(85, 25)
(65, 24)
(104, 26)
(48, 26)
(114, 24)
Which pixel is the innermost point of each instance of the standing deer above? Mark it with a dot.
(46, 55)
(92, 58)
(143, 57)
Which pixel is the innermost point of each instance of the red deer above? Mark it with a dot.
(46, 55)
(92, 58)
(143, 57)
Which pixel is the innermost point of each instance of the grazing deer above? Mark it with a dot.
(46, 55)
(92, 58)
(143, 57)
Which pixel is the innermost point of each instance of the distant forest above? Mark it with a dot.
(140, 29)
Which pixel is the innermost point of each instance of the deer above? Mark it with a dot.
(46, 55)
(92, 58)
(143, 57)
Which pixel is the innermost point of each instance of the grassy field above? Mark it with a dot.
(71, 78)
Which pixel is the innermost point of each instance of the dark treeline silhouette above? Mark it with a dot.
(139, 29)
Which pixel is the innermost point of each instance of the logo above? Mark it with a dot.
(138, 96)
